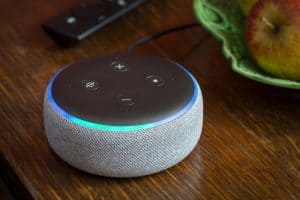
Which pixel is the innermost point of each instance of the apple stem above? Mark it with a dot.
(268, 23)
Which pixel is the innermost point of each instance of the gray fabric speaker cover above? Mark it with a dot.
(124, 154)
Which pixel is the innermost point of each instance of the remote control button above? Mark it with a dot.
(101, 18)
(90, 85)
(119, 67)
(90, 10)
(155, 80)
(126, 100)
(71, 20)
(122, 3)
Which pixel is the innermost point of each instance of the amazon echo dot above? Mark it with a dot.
(123, 115)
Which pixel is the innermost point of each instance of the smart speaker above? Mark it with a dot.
(123, 115)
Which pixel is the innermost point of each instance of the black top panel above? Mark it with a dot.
(123, 89)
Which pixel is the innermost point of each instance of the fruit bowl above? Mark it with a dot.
(226, 22)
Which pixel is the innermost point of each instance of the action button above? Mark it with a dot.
(90, 85)
(155, 80)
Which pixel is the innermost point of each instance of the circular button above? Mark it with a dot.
(155, 80)
(119, 67)
(90, 84)
(126, 100)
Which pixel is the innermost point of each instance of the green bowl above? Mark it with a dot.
(225, 21)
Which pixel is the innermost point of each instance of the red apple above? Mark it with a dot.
(273, 37)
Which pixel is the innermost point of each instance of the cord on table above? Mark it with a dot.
(160, 34)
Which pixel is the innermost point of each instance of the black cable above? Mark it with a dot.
(160, 34)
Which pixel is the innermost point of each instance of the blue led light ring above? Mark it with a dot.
(115, 128)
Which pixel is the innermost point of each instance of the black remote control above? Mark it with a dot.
(82, 21)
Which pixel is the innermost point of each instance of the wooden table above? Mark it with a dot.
(250, 145)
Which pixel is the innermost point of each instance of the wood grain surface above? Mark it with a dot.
(250, 145)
